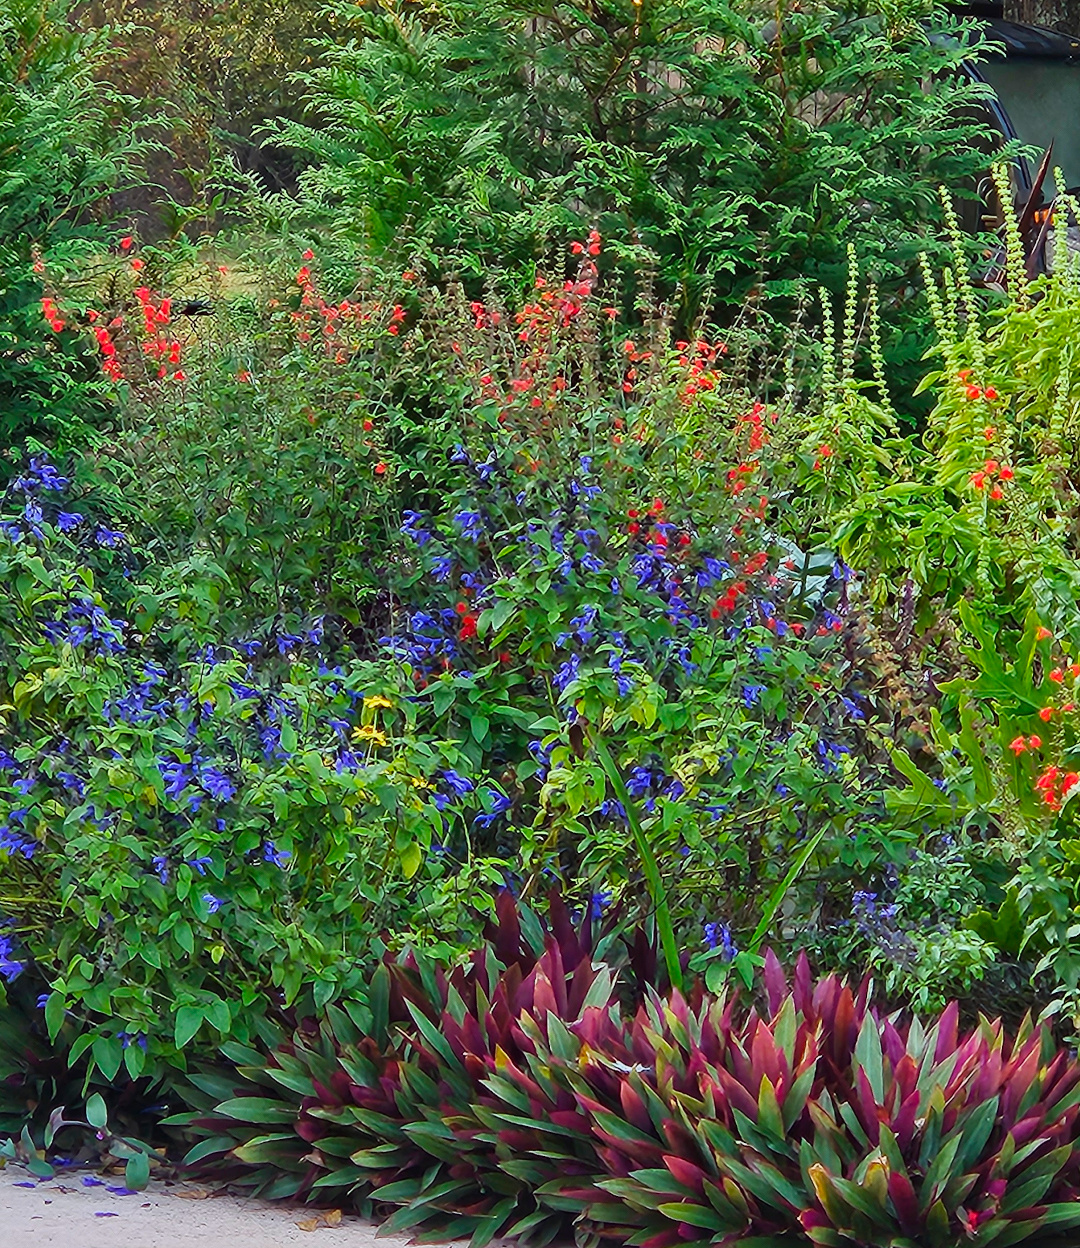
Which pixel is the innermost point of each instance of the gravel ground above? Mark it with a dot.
(62, 1213)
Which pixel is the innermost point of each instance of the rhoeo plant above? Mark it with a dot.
(484, 1105)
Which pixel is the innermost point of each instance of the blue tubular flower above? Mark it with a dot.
(200, 864)
(500, 803)
(567, 673)
(10, 969)
(410, 527)
(440, 568)
(718, 936)
(641, 780)
(105, 536)
(177, 777)
(161, 866)
(598, 903)
(751, 695)
(68, 520)
(852, 707)
(217, 784)
(459, 784)
(213, 904)
(72, 782)
(542, 754)
(470, 524)
(14, 839)
(279, 857)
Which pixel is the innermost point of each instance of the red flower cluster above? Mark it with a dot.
(990, 470)
(159, 344)
(700, 359)
(1055, 786)
(52, 314)
(975, 392)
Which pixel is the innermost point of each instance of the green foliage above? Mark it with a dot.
(65, 141)
(723, 146)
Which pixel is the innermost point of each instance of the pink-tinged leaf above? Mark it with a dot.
(765, 1056)
(1018, 1080)
(776, 988)
(946, 1037)
(803, 987)
(688, 1174)
(866, 1107)
(905, 1202)
(634, 1107)
(903, 1125)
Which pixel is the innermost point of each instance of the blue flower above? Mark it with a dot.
(105, 536)
(598, 903)
(200, 864)
(217, 784)
(459, 784)
(213, 904)
(567, 673)
(470, 524)
(161, 866)
(852, 707)
(279, 857)
(499, 805)
(751, 695)
(718, 935)
(440, 568)
(68, 520)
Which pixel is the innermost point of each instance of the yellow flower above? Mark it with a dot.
(375, 701)
(368, 732)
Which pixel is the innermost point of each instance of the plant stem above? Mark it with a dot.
(648, 863)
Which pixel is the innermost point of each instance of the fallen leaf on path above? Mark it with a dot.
(311, 1224)
(193, 1193)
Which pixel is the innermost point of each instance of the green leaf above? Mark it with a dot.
(137, 1172)
(189, 1018)
(96, 1113)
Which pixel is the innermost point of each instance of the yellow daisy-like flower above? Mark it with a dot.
(377, 700)
(369, 733)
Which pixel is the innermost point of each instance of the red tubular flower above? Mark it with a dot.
(1057, 675)
(1006, 473)
(990, 393)
(1018, 745)
(1043, 634)
(1046, 714)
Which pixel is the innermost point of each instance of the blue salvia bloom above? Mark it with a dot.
(751, 695)
(470, 524)
(217, 784)
(213, 904)
(105, 536)
(598, 903)
(68, 520)
(200, 864)
(718, 936)
(459, 784)
(499, 804)
(279, 857)
(161, 866)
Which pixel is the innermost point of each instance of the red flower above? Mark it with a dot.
(380, 468)
(468, 627)
(1006, 473)
(1043, 634)
(125, 243)
(1018, 745)
(1035, 742)
(990, 393)
(973, 392)
(137, 265)
(1046, 713)
(1057, 676)
(308, 255)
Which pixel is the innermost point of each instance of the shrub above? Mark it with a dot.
(500, 1102)
(724, 151)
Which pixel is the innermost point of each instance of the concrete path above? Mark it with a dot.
(63, 1213)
